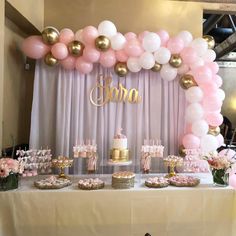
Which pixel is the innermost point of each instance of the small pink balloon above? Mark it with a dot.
(220, 140)
(175, 45)
(59, 51)
(218, 80)
(164, 36)
(68, 63)
(213, 66)
(66, 36)
(121, 56)
(34, 47)
(209, 88)
(183, 69)
(228, 153)
(142, 35)
(108, 59)
(232, 180)
(83, 66)
(202, 74)
(133, 48)
(211, 103)
(188, 55)
(191, 141)
(214, 118)
(130, 36)
(89, 34)
(90, 54)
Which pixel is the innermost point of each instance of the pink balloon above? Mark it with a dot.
(83, 66)
(191, 141)
(228, 153)
(183, 69)
(34, 47)
(232, 180)
(188, 55)
(202, 74)
(220, 140)
(164, 36)
(214, 118)
(90, 54)
(142, 35)
(59, 51)
(213, 66)
(209, 88)
(218, 80)
(211, 103)
(121, 56)
(68, 63)
(130, 36)
(108, 59)
(89, 34)
(175, 45)
(133, 48)
(66, 36)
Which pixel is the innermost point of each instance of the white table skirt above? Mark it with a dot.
(201, 211)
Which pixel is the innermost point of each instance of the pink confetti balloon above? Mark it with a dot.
(90, 54)
(108, 59)
(133, 48)
(188, 55)
(83, 66)
(89, 34)
(214, 118)
(191, 141)
(202, 74)
(209, 88)
(121, 56)
(211, 103)
(66, 36)
(164, 36)
(34, 47)
(130, 36)
(68, 63)
(175, 45)
(59, 51)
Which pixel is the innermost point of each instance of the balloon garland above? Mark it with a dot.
(191, 59)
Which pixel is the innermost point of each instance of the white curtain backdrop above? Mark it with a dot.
(62, 113)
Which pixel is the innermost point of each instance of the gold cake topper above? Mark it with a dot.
(103, 92)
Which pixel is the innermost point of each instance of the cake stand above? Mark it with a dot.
(61, 163)
(172, 162)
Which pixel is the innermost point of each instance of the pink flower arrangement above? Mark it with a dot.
(9, 166)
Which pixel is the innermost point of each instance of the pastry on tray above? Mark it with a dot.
(52, 182)
(91, 184)
(184, 181)
(157, 182)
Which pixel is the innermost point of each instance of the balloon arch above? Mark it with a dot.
(191, 59)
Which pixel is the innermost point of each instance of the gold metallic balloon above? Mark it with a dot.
(156, 67)
(102, 43)
(210, 41)
(121, 69)
(50, 35)
(175, 61)
(50, 60)
(214, 130)
(187, 81)
(76, 48)
(182, 152)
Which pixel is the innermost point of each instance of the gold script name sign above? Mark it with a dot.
(103, 93)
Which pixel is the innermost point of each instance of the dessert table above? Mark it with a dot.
(204, 210)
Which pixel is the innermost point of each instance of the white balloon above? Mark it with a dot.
(200, 128)
(168, 72)
(221, 94)
(199, 62)
(194, 94)
(208, 143)
(146, 60)
(78, 35)
(186, 36)
(151, 42)
(133, 64)
(209, 55)
(194, 112)
(118, 41)
(107, 28)
(162, 55)
(200, 45)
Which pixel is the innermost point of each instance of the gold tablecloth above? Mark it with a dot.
(201, 211)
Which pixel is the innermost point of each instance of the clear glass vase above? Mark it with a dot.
(220, 177)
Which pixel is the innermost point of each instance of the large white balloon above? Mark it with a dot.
(162, 55)
(133, 64)
(168, 72)
(221, 94)
(186, 36)
(200, 128)
(209, 143)
(194, 94)
(146, 60)
(107, 28)
(78, 35)
(194, 112)
(200, 45)
(118, 41)
(151, 42)
(209, 55)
